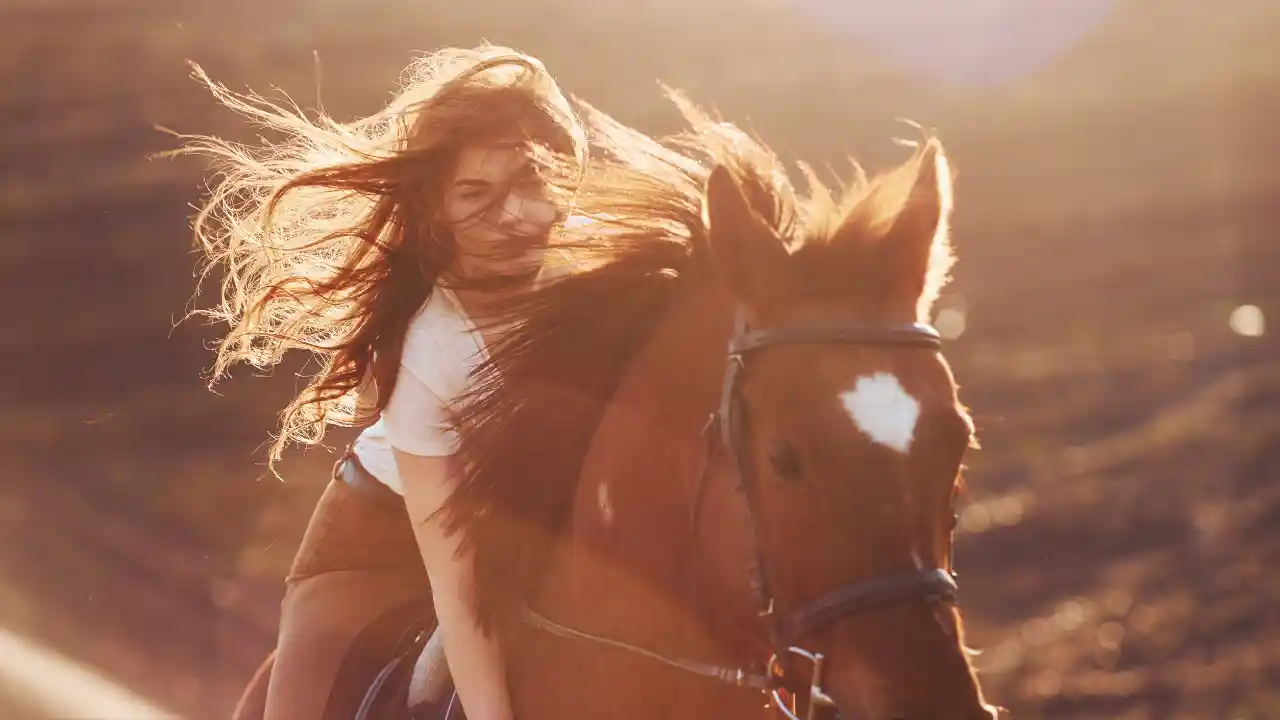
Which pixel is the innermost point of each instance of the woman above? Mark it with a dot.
(377, 245)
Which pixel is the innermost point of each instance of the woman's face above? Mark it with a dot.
(499, 210)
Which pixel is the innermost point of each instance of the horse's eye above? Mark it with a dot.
(785, 460)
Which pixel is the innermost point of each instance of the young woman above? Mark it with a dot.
(377, 245)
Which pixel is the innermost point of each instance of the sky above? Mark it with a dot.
(965, 42)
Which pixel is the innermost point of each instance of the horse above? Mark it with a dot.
(712, 469)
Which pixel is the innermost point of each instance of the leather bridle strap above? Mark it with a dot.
(910, 334)
(863, 596)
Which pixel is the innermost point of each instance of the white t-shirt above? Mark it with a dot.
(441, 348)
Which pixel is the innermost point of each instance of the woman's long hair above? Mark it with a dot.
(326, 238)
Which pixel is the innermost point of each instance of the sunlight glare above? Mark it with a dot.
(1247, 320)
(66, 689)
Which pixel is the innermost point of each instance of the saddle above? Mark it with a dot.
(413, 684)
(388, 695)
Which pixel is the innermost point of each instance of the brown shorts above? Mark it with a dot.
(357, 583)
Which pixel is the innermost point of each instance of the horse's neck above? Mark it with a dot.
(630, 538)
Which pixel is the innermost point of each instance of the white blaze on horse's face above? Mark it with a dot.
(883, 410)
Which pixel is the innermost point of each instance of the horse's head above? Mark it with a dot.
(841, 425)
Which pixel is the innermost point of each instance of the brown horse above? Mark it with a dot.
(719, 459)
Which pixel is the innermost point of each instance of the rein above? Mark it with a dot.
(737, 677)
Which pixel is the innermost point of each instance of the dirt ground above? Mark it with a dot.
(1119, 541)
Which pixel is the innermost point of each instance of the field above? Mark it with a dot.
(1120, 538)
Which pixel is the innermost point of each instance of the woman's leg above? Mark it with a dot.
(356, 585)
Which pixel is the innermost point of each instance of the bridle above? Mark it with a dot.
(787, 629)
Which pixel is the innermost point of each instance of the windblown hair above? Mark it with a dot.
(638, 245)
(326, 238)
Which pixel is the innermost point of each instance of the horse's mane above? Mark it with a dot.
(638, 240)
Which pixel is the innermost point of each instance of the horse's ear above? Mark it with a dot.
(912, 205)
(748, 253)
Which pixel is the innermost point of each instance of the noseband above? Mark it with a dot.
(787, 629)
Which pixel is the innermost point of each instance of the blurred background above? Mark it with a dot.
(1116, 219)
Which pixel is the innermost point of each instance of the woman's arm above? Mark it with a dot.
(475, 661)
